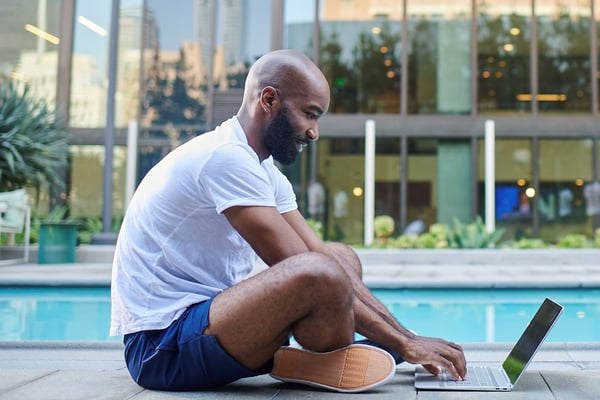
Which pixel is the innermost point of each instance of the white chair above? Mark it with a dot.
(15, 216)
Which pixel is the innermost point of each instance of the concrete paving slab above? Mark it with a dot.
(61, 355)
(74, 385)
(11, 379)
(569, 386)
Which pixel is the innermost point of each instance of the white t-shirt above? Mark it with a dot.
(175, 247)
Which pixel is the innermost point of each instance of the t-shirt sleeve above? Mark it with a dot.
(283, 190)
(233, 177)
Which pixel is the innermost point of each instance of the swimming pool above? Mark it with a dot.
(465, 315)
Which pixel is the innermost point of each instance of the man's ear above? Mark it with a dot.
(268, 98)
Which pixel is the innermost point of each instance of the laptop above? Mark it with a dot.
(504, 377)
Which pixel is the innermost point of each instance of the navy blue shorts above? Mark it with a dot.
(181, 357)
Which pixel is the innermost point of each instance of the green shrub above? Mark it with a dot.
(527, 243)
(316, 226)
(473, 236)
(33, 147)
(574, 241)
(408, 241)
(383, 226)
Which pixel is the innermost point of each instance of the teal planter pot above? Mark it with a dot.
(57, 242)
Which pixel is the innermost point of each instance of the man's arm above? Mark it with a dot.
(266, 230)
(375, 322)
(275, 237)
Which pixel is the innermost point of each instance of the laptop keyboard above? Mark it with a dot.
(476, 376)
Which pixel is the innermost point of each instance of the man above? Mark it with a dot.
(191, 234)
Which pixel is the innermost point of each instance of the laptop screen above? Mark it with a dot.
(529, 342)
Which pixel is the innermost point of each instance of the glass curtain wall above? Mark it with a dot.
(503, 56)
(360, 53)
(29, 41)
(88, 100)
(563, 55)
(89, 63)
(515, 188)
(341, 172)
(422, 165)
(29, 32)
(439, 70)
(565, 167)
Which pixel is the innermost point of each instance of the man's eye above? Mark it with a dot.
(311, 115)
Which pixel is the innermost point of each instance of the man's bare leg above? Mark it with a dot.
(308, 295)
(375, 322)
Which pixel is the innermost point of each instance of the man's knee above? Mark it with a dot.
(348, 257)
(321, 273)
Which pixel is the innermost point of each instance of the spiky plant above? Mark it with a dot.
(33, 147)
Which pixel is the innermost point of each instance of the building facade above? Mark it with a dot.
(428, 73)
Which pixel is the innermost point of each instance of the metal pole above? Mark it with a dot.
(131, 172)
(369, 181)
(490, 176)
(210, 79)
(109, 133)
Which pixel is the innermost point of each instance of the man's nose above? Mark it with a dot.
(313, 134)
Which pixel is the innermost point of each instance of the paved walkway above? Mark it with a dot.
(63, 371)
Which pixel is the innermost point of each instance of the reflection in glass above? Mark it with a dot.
(563, 55)
(439, 57)
(89, 79)
(514, 184)
(299, 18)
(128, 61)
(87, 169)
(341, 172)
(29, 38)
(422, 196)
(503, 43)
(360, 56)
(174, 66)
(565, 167)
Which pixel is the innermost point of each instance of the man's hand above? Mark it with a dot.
(435, 354)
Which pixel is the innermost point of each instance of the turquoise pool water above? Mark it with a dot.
(463, 315)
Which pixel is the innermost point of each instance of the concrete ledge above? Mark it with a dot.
(543, 257)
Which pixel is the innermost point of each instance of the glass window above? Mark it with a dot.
(175, 57)
(87, 170)
(341, 172)
(503, 43)
(563, 55)
(439, 70)
(422, 181)
(565, 167)
(128, 61)
(243, 35)
(89, 82)
(597, 22)
(387, 179)
(514, 186)
(29, 38)
(360, 55)
(89, 75)
(299, 18)
(341, 175)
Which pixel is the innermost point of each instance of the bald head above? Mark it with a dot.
(290, 72)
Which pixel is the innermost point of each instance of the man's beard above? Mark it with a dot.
(279, 138)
